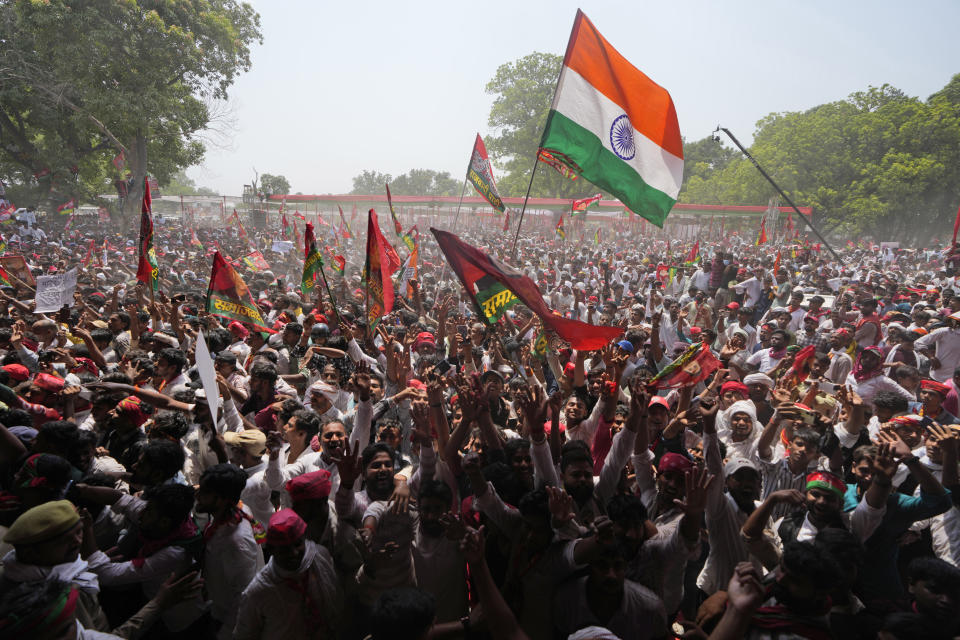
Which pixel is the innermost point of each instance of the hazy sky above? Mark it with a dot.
(337, 88)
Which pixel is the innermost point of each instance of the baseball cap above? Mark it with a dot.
(735, 464)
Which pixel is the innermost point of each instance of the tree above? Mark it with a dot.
(524, 90)
(416, 182)
(87, 80)
(879, 163)
(370, 182)
(274, 185)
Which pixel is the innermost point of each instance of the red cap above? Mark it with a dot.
(733, 306)
(131, 409)
(733, 385)
(674, 462)
(286, 527)
(50, 383)
(424, 337)
(315, 485)
(933, 385)
(416, 384)
(17, 372)
(658, 401)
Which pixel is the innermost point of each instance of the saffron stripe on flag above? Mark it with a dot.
(592, 57)
(612, 174)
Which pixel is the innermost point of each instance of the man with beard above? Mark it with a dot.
(766, 360)
(841, 364)
(879, 578)
(297, 594)
(793, 601)
(439, 564)
(822, 507)
(606, 598)
(726, 512)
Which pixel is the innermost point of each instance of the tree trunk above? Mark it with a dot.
(138, 166)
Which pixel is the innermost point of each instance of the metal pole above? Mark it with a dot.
(525, 198)
(779, 190)
(443, 272)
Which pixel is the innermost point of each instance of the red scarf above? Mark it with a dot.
(186, 533)
(237, 515)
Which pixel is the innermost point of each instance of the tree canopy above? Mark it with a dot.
(86, 79)
(523, 91)
(274, 185)
(879, 163)
(415, 182)
(180, 184)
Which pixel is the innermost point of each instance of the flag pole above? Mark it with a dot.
(326, 286)
(779, 190)
(525, 198)
(443, 271)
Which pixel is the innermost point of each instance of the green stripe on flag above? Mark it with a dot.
(603, 168)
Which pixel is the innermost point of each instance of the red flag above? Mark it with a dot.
(695, 365)
(89, 256)
(956, 227)
(382, 261)
(229, 297)
(762, 236)
(147, 269)
(344, 227)
(694, 250)
(506, 220)
(283, 220)
(471, 265)
(776, 263)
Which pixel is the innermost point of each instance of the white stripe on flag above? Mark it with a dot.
(579, 101)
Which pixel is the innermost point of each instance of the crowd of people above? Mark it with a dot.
(436, 475)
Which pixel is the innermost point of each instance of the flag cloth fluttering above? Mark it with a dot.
(692, 256)
(89, 257)
(473, 266)
(480, 175)
(596, 236)
(380, 264)
(762, 236)
(506, 221)
(345, 230)
(229, 297)
(614, 126)
(776, 263)
(255, 262)
(312, 262)
(408, 272)
(560, 230)
(694, 365)
(956, 227)
(581, 205)
(147, 268)
(194, 240)
(67, 207)
(407, 240)
(337, 262)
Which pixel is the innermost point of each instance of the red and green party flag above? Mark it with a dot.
(480, 175)
(255, 262)
(407, 240)
(596, 236)
(560, 230)
(582, 205)
(337, 262)
(380, 264)
(147, 268)
(474, 268)
(694, 365)
(762, 236)
(345, 230)
(229, 297)
(67, 207)
(312, 262)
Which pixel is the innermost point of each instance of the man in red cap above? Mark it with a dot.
(310, 496)
(932, 395)
(297, 594)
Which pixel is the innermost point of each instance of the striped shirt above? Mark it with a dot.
(777, 476)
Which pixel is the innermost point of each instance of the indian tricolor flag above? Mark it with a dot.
(614, 126)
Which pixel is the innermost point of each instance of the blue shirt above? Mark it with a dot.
(879, 578)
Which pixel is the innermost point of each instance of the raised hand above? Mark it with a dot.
(561, 505)
(349, 465)
(898, 448)
(745, 592)
(697, 483)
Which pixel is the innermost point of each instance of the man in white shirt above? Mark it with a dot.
(942, 346)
